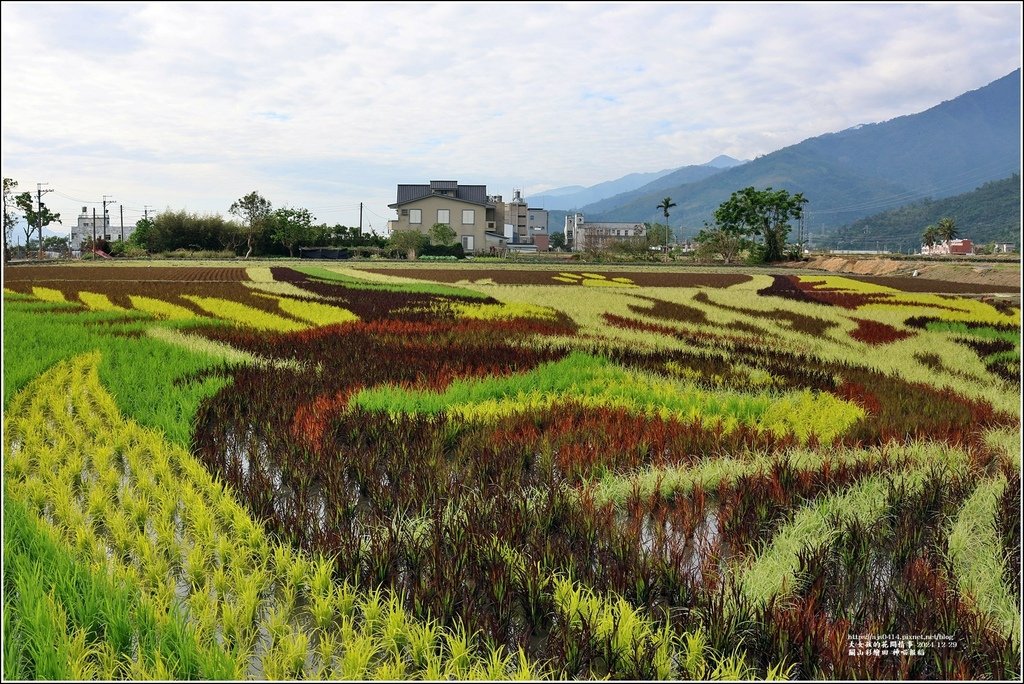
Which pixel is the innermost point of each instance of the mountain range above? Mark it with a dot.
(949, 149)
(991, 213)
(576, 196)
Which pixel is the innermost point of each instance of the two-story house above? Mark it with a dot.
(476, 217)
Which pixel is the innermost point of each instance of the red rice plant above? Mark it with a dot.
(877, 333)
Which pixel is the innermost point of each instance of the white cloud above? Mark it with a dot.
(329, 104)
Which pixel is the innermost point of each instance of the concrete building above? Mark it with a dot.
(483, 223)
(581, 235)
(515, 219)
(82, 231)
(537, 228)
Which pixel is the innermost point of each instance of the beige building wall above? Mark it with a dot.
(428, 216)
(516, 215)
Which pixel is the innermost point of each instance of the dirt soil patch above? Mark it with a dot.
(991, 277)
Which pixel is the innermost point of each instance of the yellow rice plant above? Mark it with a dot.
(277, 287)
(48, 294)
(98, 302)
(259, 274)
(845, 284)
(314, 312)
(502, 312)
(243, 315)
(161, 308)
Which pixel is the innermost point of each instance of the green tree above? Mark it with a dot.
(635, 248)
(946, 229)
(658, 233)
(765, 213)
(442, 234)
(715, 242)
(35, 219)
(254, 210)
(411, 241)
(10, 215)
(665, 205)
(557, 241)
(142, 234)
(930, 236)
(56, 243)
(292, 227)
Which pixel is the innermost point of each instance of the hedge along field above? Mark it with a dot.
(283, 473)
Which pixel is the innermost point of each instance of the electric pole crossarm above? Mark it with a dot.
(39, 215)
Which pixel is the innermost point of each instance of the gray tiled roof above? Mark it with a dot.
(474, 194)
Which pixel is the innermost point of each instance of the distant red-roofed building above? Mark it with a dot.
(958, 246)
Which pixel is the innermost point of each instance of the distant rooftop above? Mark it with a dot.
(474, 194)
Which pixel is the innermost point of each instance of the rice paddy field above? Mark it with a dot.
(315, 471)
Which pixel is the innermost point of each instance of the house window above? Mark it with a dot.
(468, 217)
(415, 216)
(443, 216)
(467, 243)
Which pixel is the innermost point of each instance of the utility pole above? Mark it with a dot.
(145, 210)
(106, 221)
(39, 220)
(94, 230)
(121, 206)
(360, 218)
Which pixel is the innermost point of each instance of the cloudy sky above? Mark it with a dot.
(326, 105)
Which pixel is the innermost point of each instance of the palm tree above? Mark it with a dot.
(946, 229)
(931, 236)
(665, 205)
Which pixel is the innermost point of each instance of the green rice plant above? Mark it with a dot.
(392, 670)
(321, 610)
(292, 656)
(394, 630)
(594, 381)
(355, 663)
(327, 647)
(365, 280)
(142, 371)
(693, 655)
(977, 557)
(494, 667)
(96, 623)
(773, 572)
(732, 668)
(457, 652)
(321, 580)
(371, 607)
(779, 672)
(1007, 443)
(424, 640)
